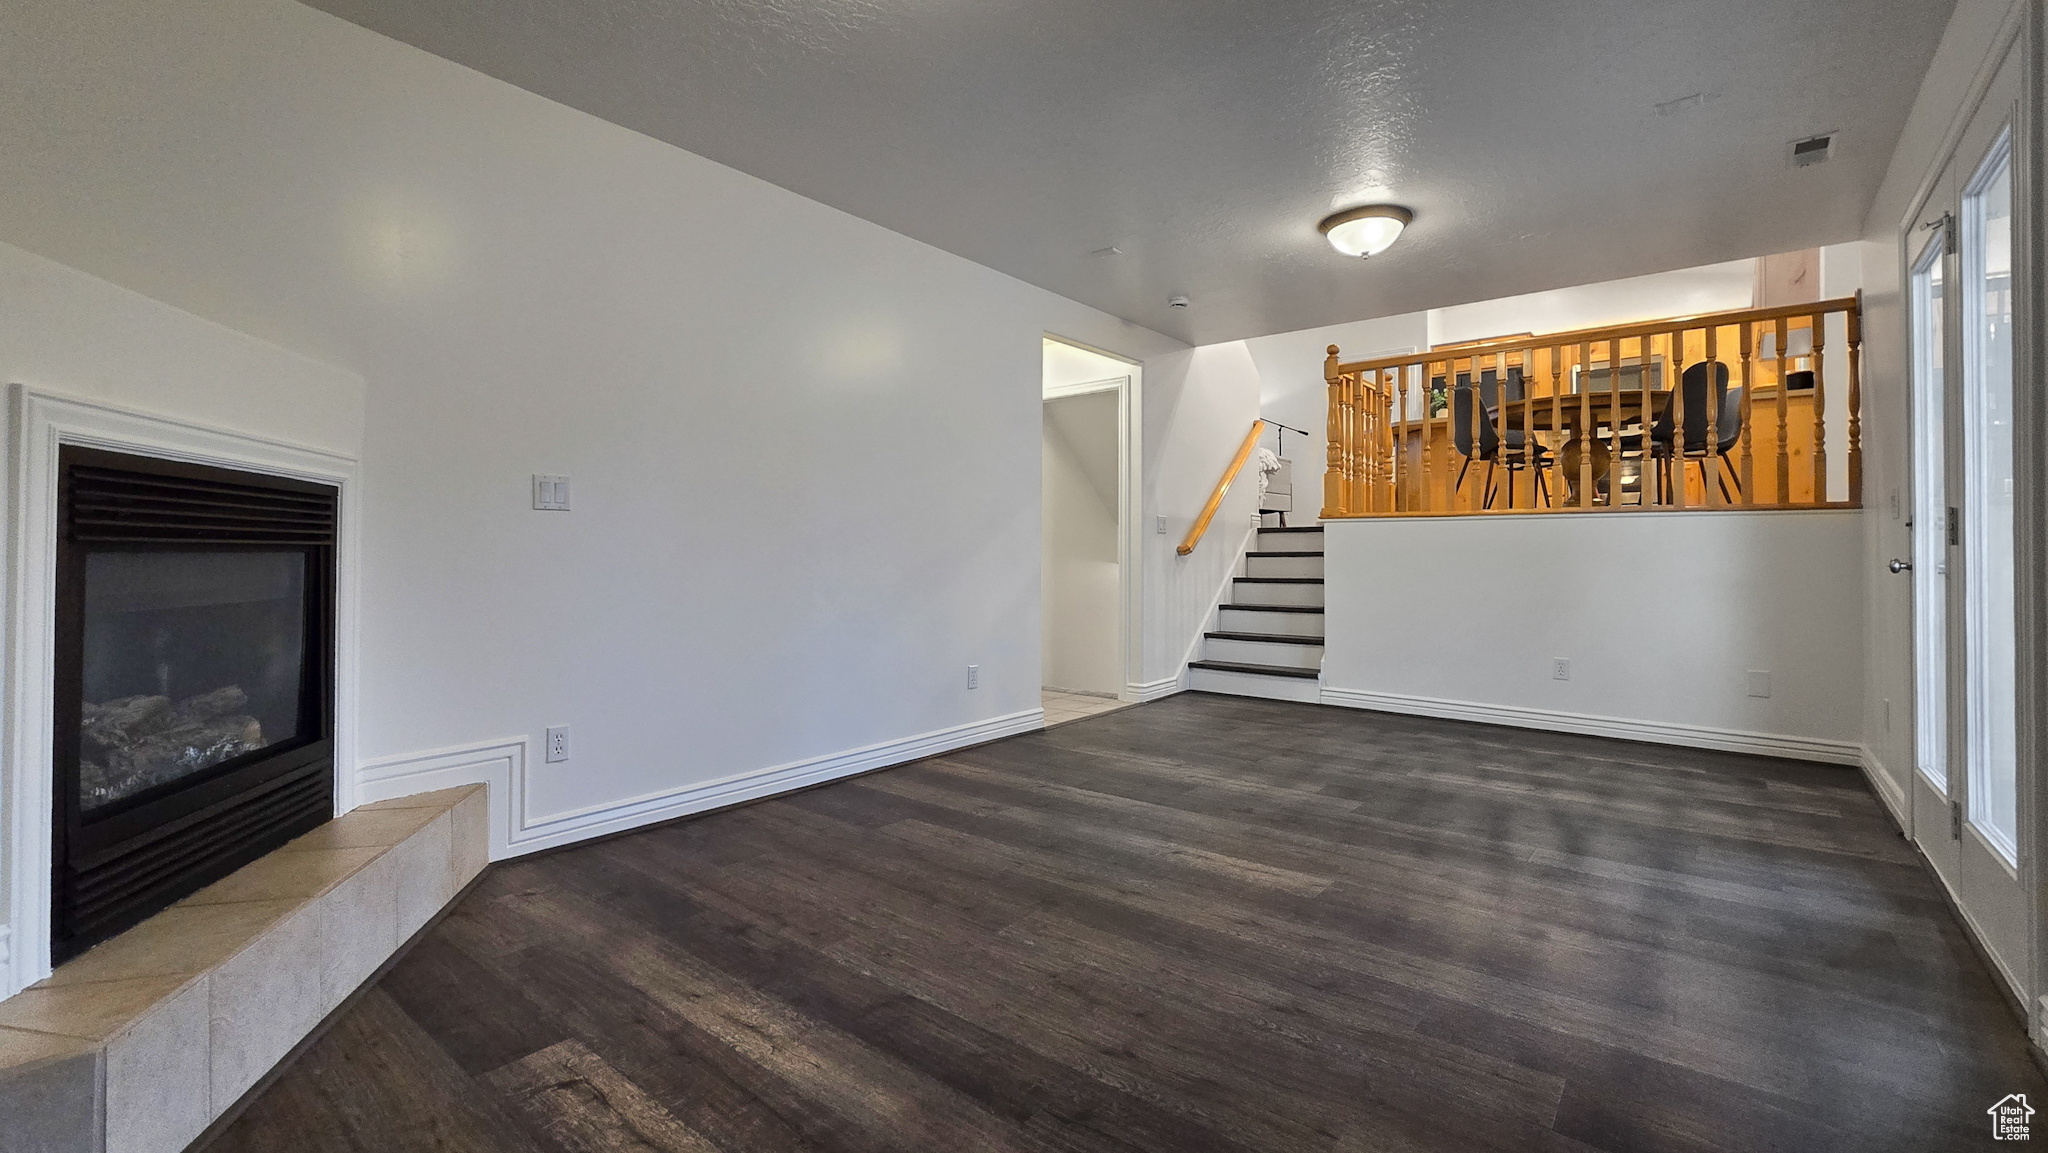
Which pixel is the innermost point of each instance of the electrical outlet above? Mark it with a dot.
(1162, 526)
(1760, 682)
(550, 493)
(1560, 668)
(1895, 504)
(1887, 714)
(973, 676)
(558, 744)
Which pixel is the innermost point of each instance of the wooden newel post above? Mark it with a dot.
(1333, 478)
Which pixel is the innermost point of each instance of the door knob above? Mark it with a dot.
(1900, 565)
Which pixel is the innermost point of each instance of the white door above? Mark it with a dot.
(1961, 315)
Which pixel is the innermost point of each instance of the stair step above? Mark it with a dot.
(1277, 553)
(1276, 638)
(1255, 670)
(1279, 580)
(1274, 608)
(1291, 528)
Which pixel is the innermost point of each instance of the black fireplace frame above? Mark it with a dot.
(131, 858)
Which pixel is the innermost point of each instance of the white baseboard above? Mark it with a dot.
(1657, 732)
(1153, 690)
(516, 829)
(1888, 792)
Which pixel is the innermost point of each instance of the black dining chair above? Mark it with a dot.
(1474, 434)
(1727, 424)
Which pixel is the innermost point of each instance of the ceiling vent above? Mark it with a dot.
(1812, 150)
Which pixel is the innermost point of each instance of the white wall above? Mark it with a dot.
(1964, 49)
(1078, 582)
(66, 331)
(1199, 405)
(743, 385)
(1662, 616)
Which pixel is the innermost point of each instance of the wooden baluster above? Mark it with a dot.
(1400, 431)
(1426, 485)
(1747, 473)
(1646, 351)
(1504, 420)
(1820, 409)
(1451, 385)
(1368, 443)
(1710, 460)
(1855, 351)
(1522, 414)
(1583, 436)
(1377, 493)
(1676, 461)
(1784, 433)
(1386, 377)
(1333, 474)
(1454, 462)
(1614, 424)
(1557, 422)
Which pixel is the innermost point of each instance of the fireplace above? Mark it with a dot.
(193, 681)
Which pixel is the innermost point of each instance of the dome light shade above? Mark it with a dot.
(1366, 231)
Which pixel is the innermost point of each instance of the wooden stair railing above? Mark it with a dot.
(1201, 525)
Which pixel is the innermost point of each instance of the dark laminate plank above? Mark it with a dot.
(375, 1081)
(585, 1106)
(1208, 924)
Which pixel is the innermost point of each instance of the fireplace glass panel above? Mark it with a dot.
(191, 659)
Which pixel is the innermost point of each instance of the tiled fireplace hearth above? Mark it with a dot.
(139, 1044)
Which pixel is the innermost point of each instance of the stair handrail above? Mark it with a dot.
(1201, 525)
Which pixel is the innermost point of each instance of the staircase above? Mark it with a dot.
(1269, 634)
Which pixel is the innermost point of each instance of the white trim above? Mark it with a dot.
(1211, 616)
(1153, 690)
(41, 421)
(516, 829)
(1083, 388)
(1657, 732)
(1889, 794)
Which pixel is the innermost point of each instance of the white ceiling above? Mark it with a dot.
(1205, 139)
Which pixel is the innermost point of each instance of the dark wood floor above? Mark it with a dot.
(1204, 924)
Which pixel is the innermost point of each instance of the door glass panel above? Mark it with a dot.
(1989, 617)
(1930, 577)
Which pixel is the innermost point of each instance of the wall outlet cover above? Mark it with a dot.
(973, 676)
(1759, 682)
(558, 744)
(1560, 668)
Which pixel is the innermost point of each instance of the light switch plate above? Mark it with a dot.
(1759, 682)
(550, 493)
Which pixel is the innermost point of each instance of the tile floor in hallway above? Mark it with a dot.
(1061, 707)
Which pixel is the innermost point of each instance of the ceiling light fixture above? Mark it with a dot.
(1365, 231)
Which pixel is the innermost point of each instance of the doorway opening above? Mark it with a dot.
(1087, 586)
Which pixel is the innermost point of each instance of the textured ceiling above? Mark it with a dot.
(1540, 144)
